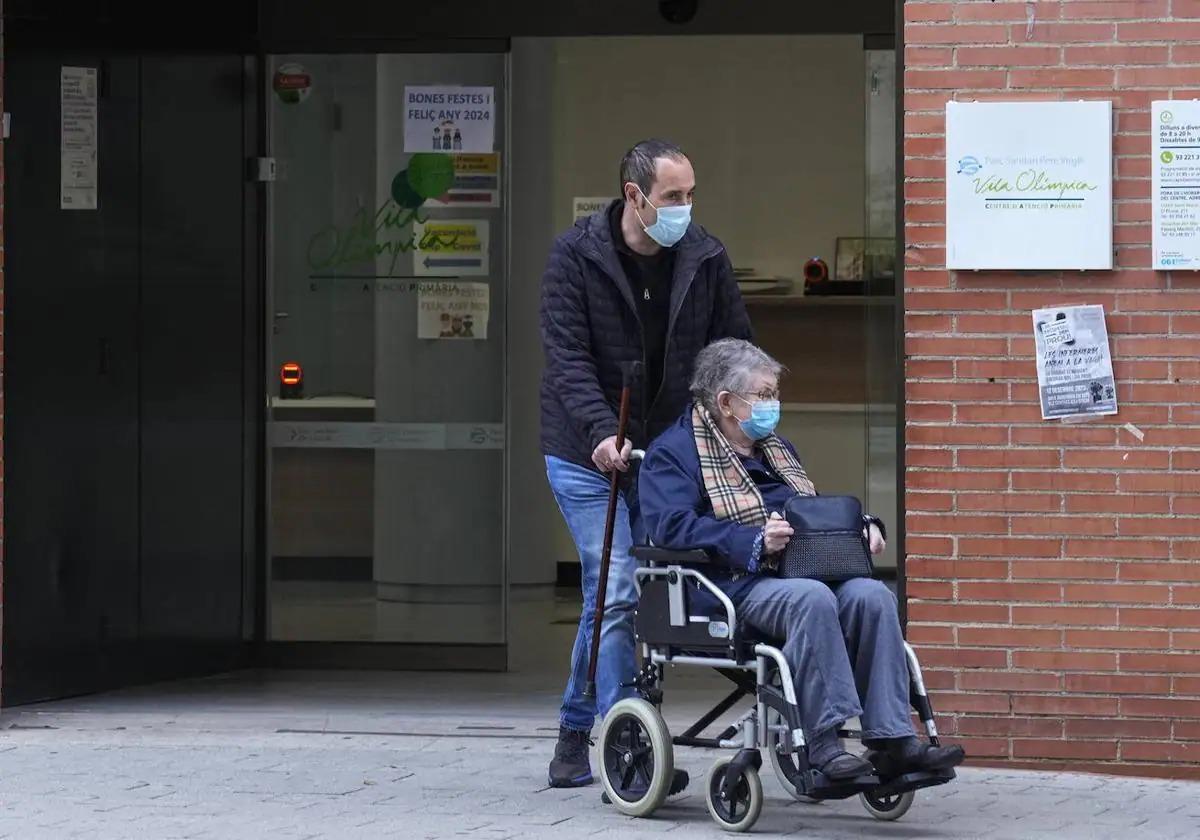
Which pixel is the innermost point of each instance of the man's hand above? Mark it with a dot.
(875, 538)
(605, 456)
(776, 534)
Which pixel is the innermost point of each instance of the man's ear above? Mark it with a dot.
(632, 194)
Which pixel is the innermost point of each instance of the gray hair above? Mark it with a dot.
(728, 365)
(641, 163)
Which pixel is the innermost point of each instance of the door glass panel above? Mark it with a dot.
(387, 285)
(882, 377)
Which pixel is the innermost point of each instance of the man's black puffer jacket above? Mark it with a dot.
(590, 327)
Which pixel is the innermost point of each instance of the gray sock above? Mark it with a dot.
(824, 746)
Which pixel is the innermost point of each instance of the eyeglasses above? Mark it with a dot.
(764, 395)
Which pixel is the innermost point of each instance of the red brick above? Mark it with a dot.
(1067, 617)
(957, 435)
(982, 747)
(1181, 685)
(1064, 435)
(1116, 593)
(1010, 636)
(929, 412)
(1035, 727)
(1118, 639)
(1063, 33)
(955, 524)
(1185, 640)
(1173, 31)
(1159, 571)
(1064, 481)
(958, 613)
(972, 703)
(1189, 730)
(1008, 56)
(966, 412)
(1117, 548)
(1166, 663)
(1118, 504)
(1109, 56)
(1162, 347)
(1159, 751)
(1174, 526)
(1186, 505)
(1007, 681)
(928, 368)
(928, 56)
(928, 590)
(925, 12)
(1117, 684)
(960, 34)
(1158, 76)
(1009, 502)
(1159, 707)
(1057, 77)
(956, 569)
(1066, 660)
(948, 346)
(956, 391)
(1063, 525)
(916, 457)
(963, 658)
(1064, 570)
(1185, 594)
(1117, 728)
(1032, 704)
(1042, 748)
(1115, 10)
(1002, 324)
(956, 480)
(1185, 9)
(1014, 458)
(924, 79)
(1172, 617)
(1098, 459)
(921, 635)
(1009, 592)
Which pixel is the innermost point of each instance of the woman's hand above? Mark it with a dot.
(875, 539)
(776, 533)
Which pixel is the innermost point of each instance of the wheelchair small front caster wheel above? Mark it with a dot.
(739, 810)
(890, 807)
(636, 757)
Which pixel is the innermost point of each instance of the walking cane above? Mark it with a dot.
(629, 372)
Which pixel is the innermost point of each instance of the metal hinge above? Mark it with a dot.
(261, 169)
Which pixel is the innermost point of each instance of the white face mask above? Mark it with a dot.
(671, 224)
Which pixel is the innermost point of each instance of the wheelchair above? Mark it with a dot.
(637, 750)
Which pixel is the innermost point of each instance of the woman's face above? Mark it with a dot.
(763, 385)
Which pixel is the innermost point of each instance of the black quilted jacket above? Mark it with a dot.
(590, 327)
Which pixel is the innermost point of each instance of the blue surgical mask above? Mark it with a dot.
(671, 224)
(764, 417)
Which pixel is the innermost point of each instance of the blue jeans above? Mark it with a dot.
(582, 496)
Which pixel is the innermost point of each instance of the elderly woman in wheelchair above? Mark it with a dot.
(814, 653)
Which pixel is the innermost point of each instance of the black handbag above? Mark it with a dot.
(828, 543)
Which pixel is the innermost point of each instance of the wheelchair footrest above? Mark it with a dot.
(914, 781)
(822, 787)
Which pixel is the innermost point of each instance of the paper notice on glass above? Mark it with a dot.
(452, 310)
(449, 118)
(476, 183)
(1175, 164)
(451, 247)
(584, 207)
(1074, 365)
(79, 147)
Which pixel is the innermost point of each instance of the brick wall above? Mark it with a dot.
(1054, 570)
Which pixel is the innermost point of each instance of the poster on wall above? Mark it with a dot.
(1074, 365)
(452, 310)
(79, 150)
(1175, 163)
(449, 118)
(292, 84)
(476, 182)
(583, 207)
(1029, 185)
(450, 247)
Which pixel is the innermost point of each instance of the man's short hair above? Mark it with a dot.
(638, 165)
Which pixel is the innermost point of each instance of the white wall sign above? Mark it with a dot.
(583, 207)
(449, 118)
(1175, 162)
(79, 141)
(1029, 185)
(1074, 365)
(452, 310)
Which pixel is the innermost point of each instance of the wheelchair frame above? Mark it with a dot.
(669, 635)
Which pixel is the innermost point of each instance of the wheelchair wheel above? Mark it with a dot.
(887, 808)
(787, 768)
(636, 757)
(740, 810)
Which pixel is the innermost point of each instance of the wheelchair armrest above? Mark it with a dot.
(653, 555)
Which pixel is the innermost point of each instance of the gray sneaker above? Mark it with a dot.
(571, 765)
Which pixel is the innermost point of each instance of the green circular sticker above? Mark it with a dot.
(403, 193)
(1167, 157)
(430, 174)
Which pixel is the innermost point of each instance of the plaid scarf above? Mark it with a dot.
(733, 494)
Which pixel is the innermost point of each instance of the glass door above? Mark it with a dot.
(387, 341)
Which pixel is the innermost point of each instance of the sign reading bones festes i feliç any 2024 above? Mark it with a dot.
(1029, 185)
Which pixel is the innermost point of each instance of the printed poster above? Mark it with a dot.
(1074, 365)
(449, 118)
(584, 207)
(1175, 162)
(452, 310)
(1029, 185)
(79, 140)
(476, 183)
(450, 247)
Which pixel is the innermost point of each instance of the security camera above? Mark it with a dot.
(678, 11)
